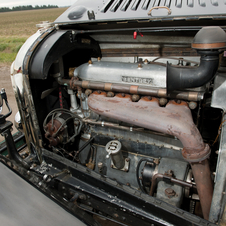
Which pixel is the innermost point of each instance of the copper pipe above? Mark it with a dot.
(113, 125)
(174, 119)
(154, 182)
(74, 83)
(117, 126)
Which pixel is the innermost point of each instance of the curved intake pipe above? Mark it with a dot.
(174, 119)
(181, 77)
(208, 42)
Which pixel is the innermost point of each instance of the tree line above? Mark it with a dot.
(26, 7)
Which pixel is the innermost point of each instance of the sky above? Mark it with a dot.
(11, 3)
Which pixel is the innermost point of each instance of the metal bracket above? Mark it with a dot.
(125, 168)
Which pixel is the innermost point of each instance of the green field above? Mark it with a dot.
(16, 27)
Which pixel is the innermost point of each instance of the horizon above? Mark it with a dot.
(36, 5)
(15, 3)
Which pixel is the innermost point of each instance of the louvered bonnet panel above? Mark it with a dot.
(109, 10)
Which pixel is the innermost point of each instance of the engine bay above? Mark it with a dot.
(141, 111)
(134, 139)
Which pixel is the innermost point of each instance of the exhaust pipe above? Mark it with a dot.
(174, 119)
(208, 42)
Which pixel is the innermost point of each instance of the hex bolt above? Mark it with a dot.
(170, 192)
(100, 165)
(82, 197)
(135, 97)
(110, 94)
(88, 92)
(169, 173)
(163, 101)
(192, 105)
(146, 61)
(139, 66)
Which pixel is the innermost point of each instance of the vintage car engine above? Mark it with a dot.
(122, 105)
(140, 123)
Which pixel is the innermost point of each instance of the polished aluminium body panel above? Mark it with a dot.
(110, 10)
(18, 83)
(23, 94)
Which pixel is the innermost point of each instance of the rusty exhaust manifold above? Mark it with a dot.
(174, 119)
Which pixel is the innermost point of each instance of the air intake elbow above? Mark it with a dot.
(208, 42)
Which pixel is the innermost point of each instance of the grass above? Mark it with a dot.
(16, 27)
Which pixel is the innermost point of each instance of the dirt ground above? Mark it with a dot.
(5, 82)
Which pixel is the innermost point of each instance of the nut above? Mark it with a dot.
(100, 164)
(192, 105)
(170, 192)
(110, 94)
(88, 92)
(163, 101)
(146, 61)
(135, 97)
(139, 66)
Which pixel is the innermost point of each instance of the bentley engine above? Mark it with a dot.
(143, 113)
